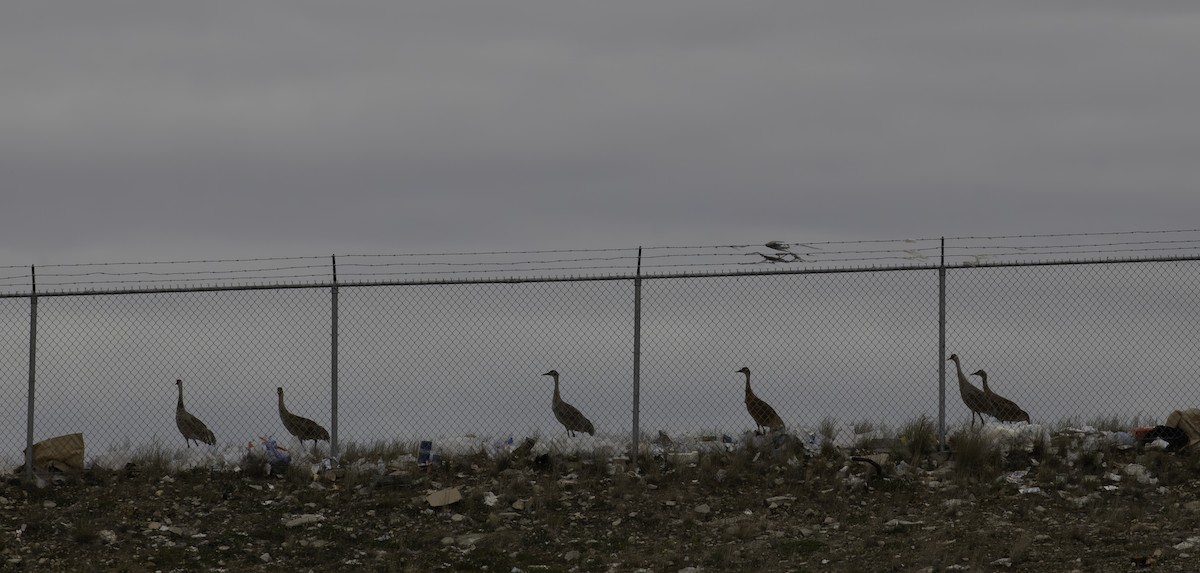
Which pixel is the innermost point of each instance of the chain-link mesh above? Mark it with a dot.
(14, 360)
(449, 360)
(107, 365)
(439, 361)
(1078, 343)
(849, 347)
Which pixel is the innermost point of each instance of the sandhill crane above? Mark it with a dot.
(569, 416)
(298, 426)
(971, 396)
(764, 415)
(1003, 409)
(190, 426)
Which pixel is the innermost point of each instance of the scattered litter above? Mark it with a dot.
(1123, 440)
(1158, 444)
(1016, 477)
(498, 447)
(1139, 472)
(1030, 489)
(425, 455)
(59, 454)
(877, 461)
(444, 497)
(490, 499)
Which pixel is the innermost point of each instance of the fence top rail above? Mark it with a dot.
(592, 278)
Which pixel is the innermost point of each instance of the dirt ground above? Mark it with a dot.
(1062, 504)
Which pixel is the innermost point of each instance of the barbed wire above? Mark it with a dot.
(587, 262)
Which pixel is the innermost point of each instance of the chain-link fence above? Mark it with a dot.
(439, 361)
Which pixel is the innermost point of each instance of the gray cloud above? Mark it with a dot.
(281, 128)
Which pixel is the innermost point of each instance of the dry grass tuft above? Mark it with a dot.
(976, 455)
(918, 439)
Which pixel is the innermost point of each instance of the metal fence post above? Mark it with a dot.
(942, 348)
(637, 358)
(32, 369)
(333, 365)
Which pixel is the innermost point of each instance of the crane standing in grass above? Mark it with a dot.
(569, 416)
(764, 415)
(1003, 409)
(190, 426)
(298, 426)
(973, 397)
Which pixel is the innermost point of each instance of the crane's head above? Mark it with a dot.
(179, 383)
(553, 373)
(980, 373)
(279, 391)
(953, 357)
(745, 371)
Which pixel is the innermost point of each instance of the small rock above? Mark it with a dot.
(305, 519)
(779, 500)
(469, 540)
(571, 555)
(447, 541)
(49, 504)
(702, 509)
(154, 526)
(265, 557)
(107, 536)
(519, 505)
(900, 525)
(457, 517)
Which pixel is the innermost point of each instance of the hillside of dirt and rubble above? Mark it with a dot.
(1071, 500)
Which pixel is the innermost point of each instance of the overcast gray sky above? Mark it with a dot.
(142, 130)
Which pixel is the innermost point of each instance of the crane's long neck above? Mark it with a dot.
(281, 406)
(557, 397)
(983, 379)
(748, 392)
(962, 378)
(179, 404)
